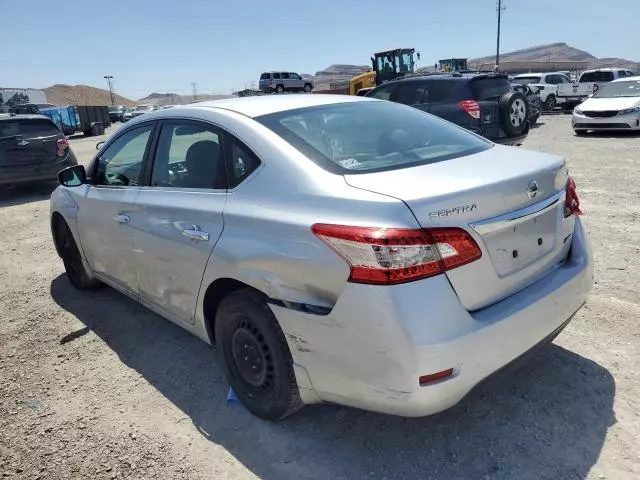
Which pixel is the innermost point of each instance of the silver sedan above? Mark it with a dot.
(335, 249)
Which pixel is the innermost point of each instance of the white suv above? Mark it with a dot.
(547, 85)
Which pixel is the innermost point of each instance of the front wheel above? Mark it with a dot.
(279, 89)
(307, 88)
(255, 356)
(550, 103)
(580, 133)
(72, 260)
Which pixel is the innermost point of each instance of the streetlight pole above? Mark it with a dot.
(500, 10)
(109, 79)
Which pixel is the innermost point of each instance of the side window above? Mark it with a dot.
(276, 76)
(243, 162)
(563, 79)
(295, 76)
(285, 76)
(121, 162)
(382, 93)
(410, 93)
(440, 90)
(188, 156)
(551, 80)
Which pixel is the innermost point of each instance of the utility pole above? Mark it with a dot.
(500, 10)
(194, 87)
(110, 83)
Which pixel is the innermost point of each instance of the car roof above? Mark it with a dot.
(24, 116)
(607, 69)
(626, 79)
(255, 106)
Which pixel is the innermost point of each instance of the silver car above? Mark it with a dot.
(333, 248)
(280, 82)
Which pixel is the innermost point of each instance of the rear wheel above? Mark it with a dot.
(550, 102)
(73, 265)
(307, 87)
(255, 356)
(533, 120)
(279, 89)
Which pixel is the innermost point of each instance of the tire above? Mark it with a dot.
(279, 89)
(255, 356)
(72, 260)
(307, 87)
(580, 133)
(550, 103)
(514, 112)
(533, 120)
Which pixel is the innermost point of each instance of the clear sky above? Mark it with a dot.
(163, 46)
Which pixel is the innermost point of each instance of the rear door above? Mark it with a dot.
(27, 145)
(180, 215)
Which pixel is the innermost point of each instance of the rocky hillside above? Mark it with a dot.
(82, 95)
(558, 52)
(336, 74)
(162, 99)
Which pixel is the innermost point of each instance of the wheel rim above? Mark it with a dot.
(551, 102)
(252, 360)
(517, 113)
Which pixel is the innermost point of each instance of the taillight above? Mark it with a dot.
(572, 202)
(63, 145)
(471, 107)
(387, 256)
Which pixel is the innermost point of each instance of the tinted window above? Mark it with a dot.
(121, 162)
(528, 79)
(28, 128)
(490, 88)
(410, 93)
(371, 136)
(588, 77)
(382, 93)
(188, 156)
(264, 76)
(276, 75)
(285, 76)
(440, 90)
(295, 76)
(243, 162)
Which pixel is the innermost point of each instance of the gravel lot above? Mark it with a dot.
(93, 385)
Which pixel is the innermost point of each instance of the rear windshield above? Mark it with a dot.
(264, 76)
(364, 137)
(31, 128)
(627, 88)
(489, 88)
(115, 108)
(528, 79)
(588, 77)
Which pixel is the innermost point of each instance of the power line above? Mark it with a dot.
(500, 9)
(110, 82)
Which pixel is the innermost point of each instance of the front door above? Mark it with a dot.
(180, 216)
(106, 212)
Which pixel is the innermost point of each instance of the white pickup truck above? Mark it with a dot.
(575, 93)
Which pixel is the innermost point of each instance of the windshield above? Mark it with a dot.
(630, 88)
(528, 79)
(589, 77)
(363, 137)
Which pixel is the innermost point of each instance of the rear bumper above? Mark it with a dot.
(50, 173)
(619, 122)
(377, 341)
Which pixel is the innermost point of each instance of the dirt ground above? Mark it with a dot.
(93, 385)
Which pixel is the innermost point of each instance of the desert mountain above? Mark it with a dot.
(162, 99)
(82, 95)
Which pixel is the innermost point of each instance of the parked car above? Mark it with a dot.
(32, 148)
(89, 119)
(280, 82)
(483, 103)
(614, 106)
(128, 114)
(142, 109)
(533, 100)
(116, 113)
(547, 85)
(399, 280)
(588, 83)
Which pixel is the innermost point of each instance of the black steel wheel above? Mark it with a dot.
(255, 356)
(550, 103)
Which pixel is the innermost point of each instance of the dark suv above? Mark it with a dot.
(32, 148)
(485, 104)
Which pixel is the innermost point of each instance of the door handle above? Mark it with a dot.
(196, 234)
(121, 218)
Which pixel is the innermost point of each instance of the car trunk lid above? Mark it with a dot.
(511, 201)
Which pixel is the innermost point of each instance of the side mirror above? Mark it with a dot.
(72, 176)
(99, 145)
